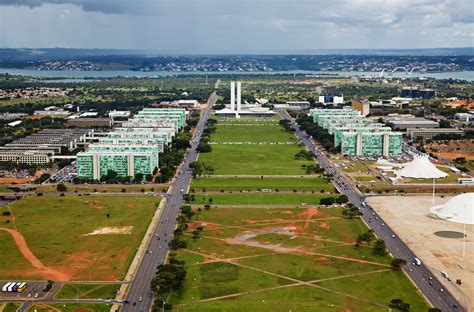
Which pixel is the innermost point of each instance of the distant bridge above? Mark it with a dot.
(408, 72)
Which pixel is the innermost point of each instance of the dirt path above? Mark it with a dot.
(46, 272)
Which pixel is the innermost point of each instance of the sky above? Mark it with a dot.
(238, 26)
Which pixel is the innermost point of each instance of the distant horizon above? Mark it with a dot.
(318, 51)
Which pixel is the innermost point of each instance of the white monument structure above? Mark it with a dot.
(236, 111)
(235, 96)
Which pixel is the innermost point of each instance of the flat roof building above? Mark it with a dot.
(331, 99)
(430, 133)
(178, 114)
(134, 148)
(89, 122)
(357, 135)
(371, 143)
(404, 122)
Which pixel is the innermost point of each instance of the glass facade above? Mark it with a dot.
(357, 135)
(134, 148)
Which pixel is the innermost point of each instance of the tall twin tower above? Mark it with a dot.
(235, 90)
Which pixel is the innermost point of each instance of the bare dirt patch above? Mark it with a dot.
(111, 230)
(43, 270)
(308, 214)
(249, 221)
(324, 225)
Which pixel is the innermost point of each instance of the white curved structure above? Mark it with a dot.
(421, 168)
(459, 209)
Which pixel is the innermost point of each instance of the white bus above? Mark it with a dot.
(10, 288)
(5, 287)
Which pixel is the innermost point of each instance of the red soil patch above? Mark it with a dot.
(274, 220)
(324, 225)
(455, 155)
(288, 212)
(249, 221)
(323, 261)
(20, 180)
(46, 272)
(308, 215)
(212, 226)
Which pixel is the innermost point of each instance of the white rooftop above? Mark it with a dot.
(459, 209)
(421, 168)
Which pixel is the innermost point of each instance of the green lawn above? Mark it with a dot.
(258, 199)
(374, 286)
(9, 307)
(299, 298)
(251, 133)
(264, 276)
(88, 291)
(235, 217)
(11, 255)
(56, 228)
(70, 307)
(262, 159)
(249, 184)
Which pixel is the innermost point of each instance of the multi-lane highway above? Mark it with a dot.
(424, 279)
(140, 296)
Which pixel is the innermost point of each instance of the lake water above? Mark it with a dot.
(464, 75)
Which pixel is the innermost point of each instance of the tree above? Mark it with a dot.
(61, 188)
(42, 178)
(187, 211)
(138, 178)
(366, 237)
(399, 305)
(379, 248)
(398, 263)
(342, 199)
(197, 168)
(168, 277)
(351, 212)
(327, 201)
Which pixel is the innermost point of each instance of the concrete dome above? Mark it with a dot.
(459, 209)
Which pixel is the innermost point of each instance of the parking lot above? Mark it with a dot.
(34, 290)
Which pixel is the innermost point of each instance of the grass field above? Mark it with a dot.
(255, 159)
(56, 231)
(258, 199)
(104, 188)
(88, 291)
(255, 259)
(11, 254)
(249, 184)
(69, 307)
(251, 133)
(9, 307)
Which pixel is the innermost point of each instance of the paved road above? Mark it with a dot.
(424, 279)
(140, 296)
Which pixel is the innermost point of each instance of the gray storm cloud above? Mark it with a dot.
(235, 24)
